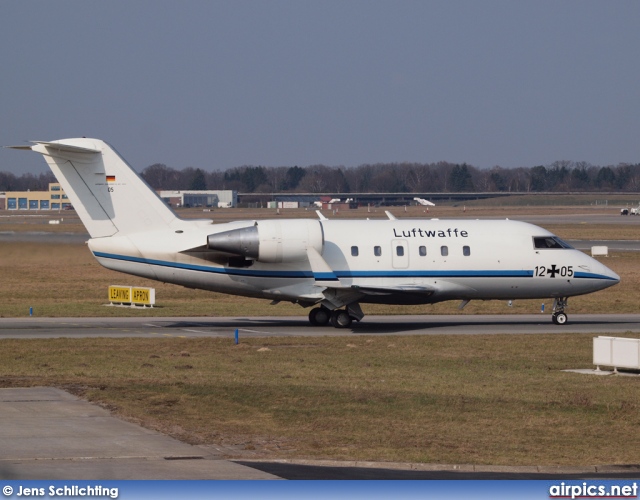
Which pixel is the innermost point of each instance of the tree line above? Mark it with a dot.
(441, 177)
(438, 177)
(25, 182)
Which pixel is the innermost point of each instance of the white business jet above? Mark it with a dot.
(330, 265)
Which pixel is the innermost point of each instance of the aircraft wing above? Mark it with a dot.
(338, 294)
(392, 290)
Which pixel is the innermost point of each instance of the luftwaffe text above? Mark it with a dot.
(430, 233)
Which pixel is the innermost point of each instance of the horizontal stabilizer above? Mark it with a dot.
(58, 146)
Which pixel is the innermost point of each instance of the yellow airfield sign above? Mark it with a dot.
(146, 296)
(136, 296)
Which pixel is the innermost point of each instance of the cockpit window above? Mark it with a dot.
(549, 242)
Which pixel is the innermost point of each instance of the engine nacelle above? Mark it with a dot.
(271, 241)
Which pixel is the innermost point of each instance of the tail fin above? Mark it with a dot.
(106, 192)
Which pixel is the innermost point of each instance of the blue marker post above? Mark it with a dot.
(237, 339)
(542, 308)
(31, 311)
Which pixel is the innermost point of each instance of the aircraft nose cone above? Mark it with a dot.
(612, 278)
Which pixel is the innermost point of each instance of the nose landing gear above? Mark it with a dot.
(559, 317)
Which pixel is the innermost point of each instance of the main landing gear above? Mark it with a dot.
(321, 316)
(559, 317)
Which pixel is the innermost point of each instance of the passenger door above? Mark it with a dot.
(399, 254)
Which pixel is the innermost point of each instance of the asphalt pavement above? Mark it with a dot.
(296, 326)
(47, 433)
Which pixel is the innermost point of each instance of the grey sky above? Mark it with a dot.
(218, 84)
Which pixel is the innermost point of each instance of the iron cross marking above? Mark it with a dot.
(552, 271)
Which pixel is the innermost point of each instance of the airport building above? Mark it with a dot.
(56, 199)
(53, 199)
(215, 199)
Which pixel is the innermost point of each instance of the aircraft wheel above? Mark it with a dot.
(340, 319)
(559, 318)
(319, 316)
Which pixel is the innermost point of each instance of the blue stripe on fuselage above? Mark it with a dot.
(339, 274)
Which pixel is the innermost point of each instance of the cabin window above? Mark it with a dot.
(466, 251)
(549, 242)
(354, 251)
(444, 250)
(377, 251)
(400, 251)
(422, 251)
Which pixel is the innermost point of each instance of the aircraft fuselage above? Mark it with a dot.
(417, 261)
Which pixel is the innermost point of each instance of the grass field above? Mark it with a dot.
(497, 399)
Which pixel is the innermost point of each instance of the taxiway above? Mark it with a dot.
(278, 326)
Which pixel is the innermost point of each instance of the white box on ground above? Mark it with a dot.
(616, 352)
(600, 250)
(602, 350)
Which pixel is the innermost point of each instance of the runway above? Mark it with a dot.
(576, 219)
(79, 239)
(273, 326)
